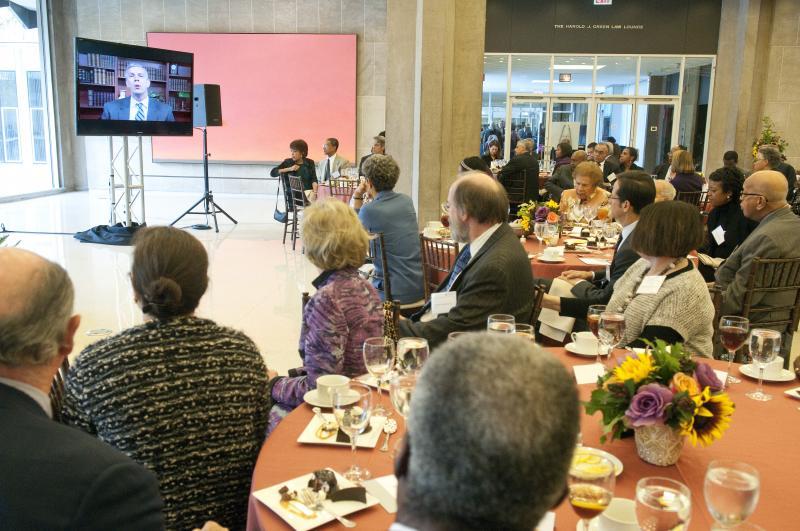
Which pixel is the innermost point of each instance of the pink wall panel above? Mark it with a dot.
(274, 88)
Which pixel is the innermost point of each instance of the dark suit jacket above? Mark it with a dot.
(791, 177)
(55, 477)
(361, 163)
(515, 167)
(558, 182)
(121, 110)
(611, 165)
(497, 280)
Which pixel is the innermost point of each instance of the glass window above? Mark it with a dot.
(530, 74)
(493, 108)
(37, 116)
(528, 120)
(694, 106)
(653, 133)
(614, 120)
(616, 76)
(572, 75)
(569, 123)
(659, 76)
(9, 130)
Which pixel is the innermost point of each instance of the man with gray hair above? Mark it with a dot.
(486, 447)
(55, 477)
(523, 167)
(606, 161)
(769, 157)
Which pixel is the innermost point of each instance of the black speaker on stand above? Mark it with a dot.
(207, 113)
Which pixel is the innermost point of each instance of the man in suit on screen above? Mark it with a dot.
(139, 106)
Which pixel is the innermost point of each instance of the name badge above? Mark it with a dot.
(336, 175)
(651, 285)
(608, 272)
(719, 235)
(612, 177)
(443, 302)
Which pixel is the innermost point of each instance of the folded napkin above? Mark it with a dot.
(588, 374)
(553, 325)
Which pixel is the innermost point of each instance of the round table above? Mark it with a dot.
(572, 260)
(763, 434)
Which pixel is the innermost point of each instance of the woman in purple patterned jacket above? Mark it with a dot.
(343, 312)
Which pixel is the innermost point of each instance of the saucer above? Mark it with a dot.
(573, 349)
(312, 398)
(751, 371)
(555, 260)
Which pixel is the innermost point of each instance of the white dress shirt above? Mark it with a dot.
(476, 244)
(135, 108)
(39, 397)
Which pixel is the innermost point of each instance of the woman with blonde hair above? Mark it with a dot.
(343, 312)
(686, 179)
(587, 192)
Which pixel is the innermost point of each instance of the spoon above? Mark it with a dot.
(325, 424)
(388, 428)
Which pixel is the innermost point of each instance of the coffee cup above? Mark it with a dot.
(584, 341)
(620, 515)
(553, 253)
(326, 384)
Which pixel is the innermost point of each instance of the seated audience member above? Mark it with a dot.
(664, 170)
(493, 153)
(333, 163)
(297, 166)
(627, 159)
(523, 162)
(180, 394)
(731, 160)
(393, 214)
(474, 164)
(562, 179)
(55, 477)
(590, 150)
(465, 436)
(763, 200)
(664, 190)
(378, 148)
(343, 312)
(685, 179)
(587, 180)
(726, 217)
(563, 155)
(492, 273)
(681, 309)
(607, 162)
(769, 158)
(632, 192)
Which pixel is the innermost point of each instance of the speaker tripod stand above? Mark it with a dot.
(209, 205)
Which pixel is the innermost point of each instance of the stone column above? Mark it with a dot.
(433, 93)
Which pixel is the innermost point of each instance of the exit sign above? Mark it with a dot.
(602, 2)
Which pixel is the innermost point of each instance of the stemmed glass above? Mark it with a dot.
(445, 217)
(611, 330)
(551, 234)
(732, 335)
(538, 230)
(662, 504)
(589, 212)
(412, 352)
(500, 323)
(352, 406)
(591, 487)
(400, 389)
(764, 348)
(731, 489)
(593, 320)
(379, 360)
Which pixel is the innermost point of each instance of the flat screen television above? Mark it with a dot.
(125, 90)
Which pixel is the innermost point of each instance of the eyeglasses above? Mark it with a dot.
(744, 194)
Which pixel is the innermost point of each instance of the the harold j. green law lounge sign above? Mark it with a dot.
(603, 26)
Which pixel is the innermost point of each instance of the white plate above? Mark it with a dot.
(794, 393)
(618, 467)
(366, 440)
(751, 371)
(572, 348)
(559, 260)
(313, 398)
(371, 381)
(271, 498)
(622, 507)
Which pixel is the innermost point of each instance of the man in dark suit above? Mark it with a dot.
(633, 190)
(492, 274)
(378, 147)
(607, 162)
(139, 106)
(55, 477)
(523, 165)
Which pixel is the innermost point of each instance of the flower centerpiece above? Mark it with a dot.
(530, 212)
(664, 396)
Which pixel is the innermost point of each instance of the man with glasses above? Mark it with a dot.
(777, 236)
(769, 158)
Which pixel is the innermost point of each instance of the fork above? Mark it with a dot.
(313, 502)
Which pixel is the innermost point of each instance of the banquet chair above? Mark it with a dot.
(299, 203)
(438, 258)
(57, 389)
(376, 248)
(538, 297)
(771, 275)
(517, 189)
(693, 198)
(343, 189)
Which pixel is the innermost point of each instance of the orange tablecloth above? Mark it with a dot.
(763, 434)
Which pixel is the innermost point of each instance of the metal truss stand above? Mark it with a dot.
(209, 205)
(126, 179)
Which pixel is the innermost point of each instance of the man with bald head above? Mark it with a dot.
(763, 200)
(492, 273)
(55, 477)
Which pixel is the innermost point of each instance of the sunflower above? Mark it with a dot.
(711, 418)
(634, 368)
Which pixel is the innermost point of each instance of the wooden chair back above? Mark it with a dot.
(438, 257)
(693, 198)
(343, 188)
(391, 317)
(57, 389)
(516, 187)
(538, 297)
(772, 275)
(377, 248)
(297, 193)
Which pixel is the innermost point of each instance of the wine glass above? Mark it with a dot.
(412, 352)
(500, 323)
(400, 389)
(591, 486)
(611, 330)
(764, 348)
(379, 359)
(602, 212)
(732, 335)
(352, 406)
(662, 504)
(589, 212)
(525, 331)
(593, 320)
(551, 234)
(538, 230)
(731, 489)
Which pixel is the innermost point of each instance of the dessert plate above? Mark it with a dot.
(618, 467)
(364, 440)
(556, 260)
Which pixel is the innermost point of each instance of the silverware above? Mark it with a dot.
(313, 500)
(389, 427)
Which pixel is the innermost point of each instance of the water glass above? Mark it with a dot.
(551, 234)
(611, 330)
(593, 320)
(662, 504)
(538, 230)
(525, 331)
(500, 323)
(352, 407)
(731, 489)
(765, 345)
(400, 390)
(591, 486)
(732, 334)
(379, 359)
(412, 352)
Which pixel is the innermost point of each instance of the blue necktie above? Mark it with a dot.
(461, 263)
(140, 112)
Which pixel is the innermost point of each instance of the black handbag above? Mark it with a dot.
(280, 216)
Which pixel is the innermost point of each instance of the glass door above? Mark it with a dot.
(528, 120)
(614, 118)
(570, 122)
(654, 123)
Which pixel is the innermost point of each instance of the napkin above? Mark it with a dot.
(547, 523)
(588, 374)
(384, 489)
(594, 261)
(553, 325)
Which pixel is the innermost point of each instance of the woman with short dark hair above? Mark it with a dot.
(298, 165)
(563, 155)
(662, 295)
